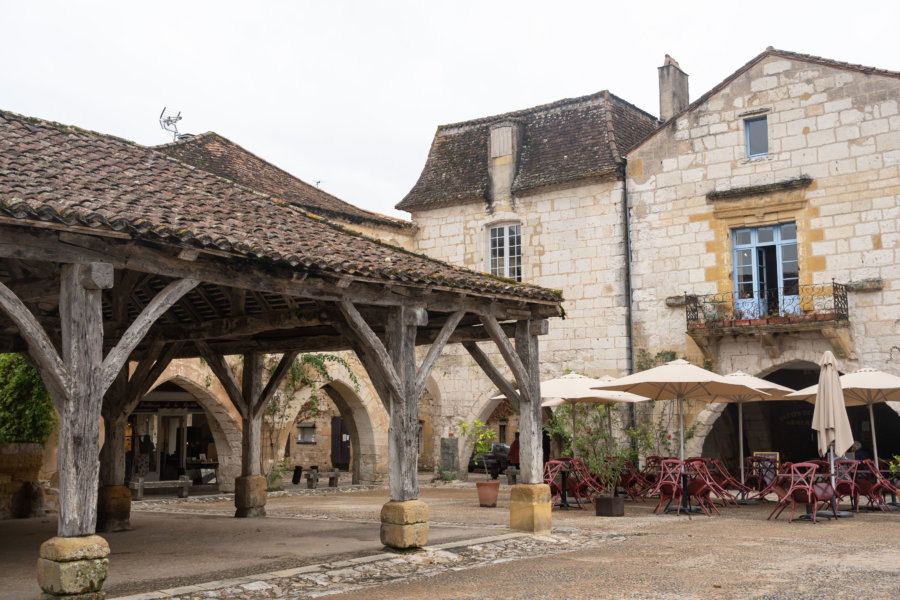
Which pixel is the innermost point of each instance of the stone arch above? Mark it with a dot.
(225, 423)
(367, 422)
(364, 416)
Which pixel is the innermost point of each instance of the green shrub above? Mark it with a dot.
(26, 411)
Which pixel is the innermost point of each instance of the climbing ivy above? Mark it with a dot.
(26, 411)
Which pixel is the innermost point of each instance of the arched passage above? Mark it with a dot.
(225, 424)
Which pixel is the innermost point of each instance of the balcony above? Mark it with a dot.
(821, 307)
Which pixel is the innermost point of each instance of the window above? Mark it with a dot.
(501, 141)
(757, 137)
(306, 433)
(505, 255)
(766, 273)
(502, 437)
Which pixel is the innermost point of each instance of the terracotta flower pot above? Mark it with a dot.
(487, 493)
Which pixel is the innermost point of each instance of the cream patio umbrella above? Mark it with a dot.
(679, 380)
(572, 387)
(863, 387)
(591, 396)
(767, 391)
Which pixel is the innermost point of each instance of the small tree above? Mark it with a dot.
(26, 411)
(308, 373)
(481, 436)
(597, 444)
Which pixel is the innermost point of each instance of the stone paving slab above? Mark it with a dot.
(345, 576)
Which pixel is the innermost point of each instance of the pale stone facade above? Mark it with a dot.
(840, 128)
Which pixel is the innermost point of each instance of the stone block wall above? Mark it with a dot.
(838, 127)
(573, 240)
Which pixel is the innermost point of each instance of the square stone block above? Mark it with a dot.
(404, 513)
(530, 508)
(414, 535)
(63, 549)
(250, 496)
(72, 577)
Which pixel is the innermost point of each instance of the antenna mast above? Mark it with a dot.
(168, 120)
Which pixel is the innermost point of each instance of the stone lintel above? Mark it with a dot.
(530, 508)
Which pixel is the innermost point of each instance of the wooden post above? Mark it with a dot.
(530, 425)
(392, 369)
(250, 399)
(403, 450)
(77, 381)
(529, 508)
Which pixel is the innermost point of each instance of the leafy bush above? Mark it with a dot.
(26, 411)
(481, 436)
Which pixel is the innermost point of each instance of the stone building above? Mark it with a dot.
(746, 203)
(764, 232)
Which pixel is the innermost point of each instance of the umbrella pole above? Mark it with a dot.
(874, 442)
(741, 437)
(574, 444)
(681, 427)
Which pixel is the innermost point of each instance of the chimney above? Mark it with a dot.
(673, 89)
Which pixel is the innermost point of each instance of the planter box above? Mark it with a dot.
(610, 506)
(758, 321)
(825, 317)
(741, 322)
(777, 320)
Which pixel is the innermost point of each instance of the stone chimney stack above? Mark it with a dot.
(673, 89)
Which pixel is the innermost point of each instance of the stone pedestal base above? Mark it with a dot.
(530, 507)
(73, 568)
(250, 496)
(114, 508)
(404, 524)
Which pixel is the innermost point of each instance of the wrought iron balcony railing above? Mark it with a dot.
(796, 304)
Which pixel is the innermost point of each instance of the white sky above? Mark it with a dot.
(350, 93)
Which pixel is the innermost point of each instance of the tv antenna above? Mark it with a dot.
(168, 120)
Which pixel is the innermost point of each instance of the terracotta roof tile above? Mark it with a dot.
(220, 156)
(58, 173)
(564, 141)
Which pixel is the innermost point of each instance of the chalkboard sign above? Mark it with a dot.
(775, 457)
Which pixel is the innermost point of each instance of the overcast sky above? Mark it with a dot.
(349, 93)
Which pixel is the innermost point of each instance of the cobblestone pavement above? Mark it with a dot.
(357, 574)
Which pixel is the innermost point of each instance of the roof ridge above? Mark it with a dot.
(367, 214)
(769, 51)
(66, 128)
(525, 111)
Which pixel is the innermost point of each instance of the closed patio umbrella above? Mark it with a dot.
(863, 387)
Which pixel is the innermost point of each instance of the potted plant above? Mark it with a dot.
(599, 451)
(481, 437)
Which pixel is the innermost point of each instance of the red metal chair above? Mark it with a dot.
(845, 481)
(724, 478)
(635, 484)
(804, 490)
(700, 485)
(873, 485)
(586, 487)
(762, 475)
(668, 486)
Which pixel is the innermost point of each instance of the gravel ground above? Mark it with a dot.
(739, 554)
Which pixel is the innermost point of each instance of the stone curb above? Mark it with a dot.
(248, 582)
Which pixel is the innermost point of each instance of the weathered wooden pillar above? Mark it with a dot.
(74, 564)
(530, 506)
(114, 499)
(392, 369)
(250, 399)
